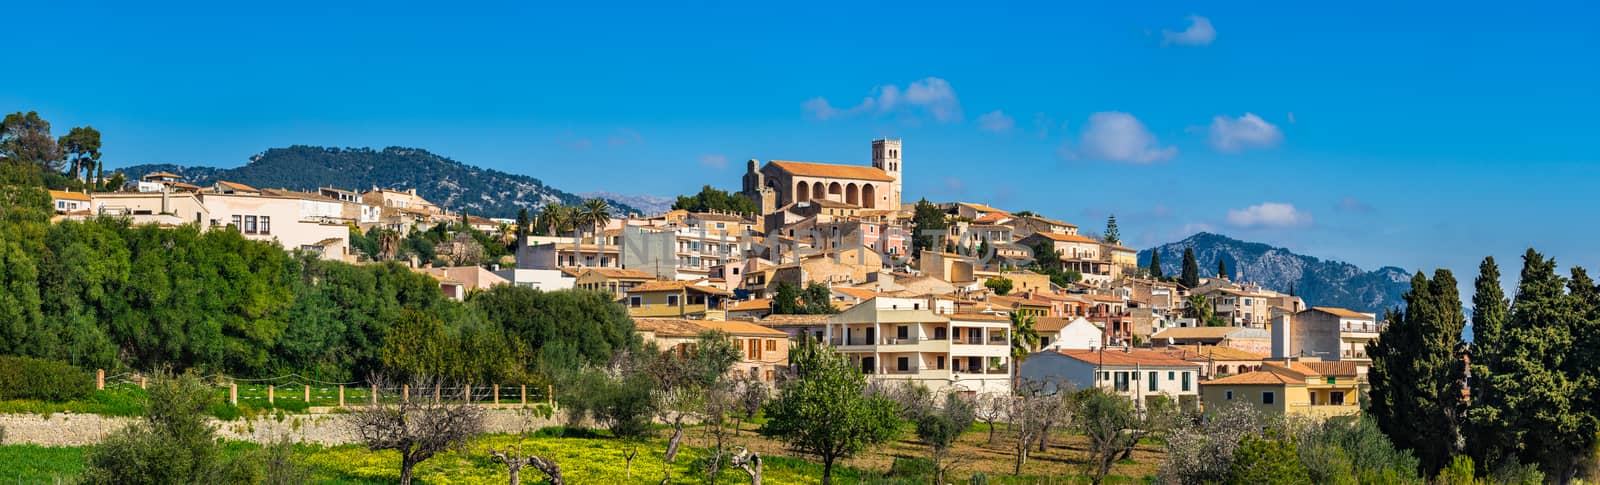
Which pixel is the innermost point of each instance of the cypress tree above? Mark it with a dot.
(523, 222)
(1222, 268)
(1416, 374)
(1191, 270)
(1486, 421)
(1155, 264)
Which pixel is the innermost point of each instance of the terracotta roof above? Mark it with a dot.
(809, 169)
(858, 293)
(1214, 352)
(469, 276)
(1255, 378)
(1119, 357)
(668, 327)
(1053, 324)
(62, 194)
(982, 317)
(1195, 332)
(740, 328)
(751, 305)
(993, 217)
(1116, 246)
(782, 320)
(1337, 369)
(159, 174)
(1293, 368)
(677, 286)
(1107, 298)
(237, 186)
(182, 185)
(1066, 237)
(979, 207)
(712, 216)
(1050, 221)
(1340, 312)
(621, 273)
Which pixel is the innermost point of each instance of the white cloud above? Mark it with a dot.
(1118, 137)
(1268, 214)
(1248, 131)
(625, 136)
(1199, 32)
(713, 161)
(931, 97)
(996, 121)
(1193, 228)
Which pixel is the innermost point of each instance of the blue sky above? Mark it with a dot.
(1418, 135)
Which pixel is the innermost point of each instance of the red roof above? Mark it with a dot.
(1126, 358)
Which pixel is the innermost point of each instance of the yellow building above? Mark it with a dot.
(763, 351)
(1290, 388)
(681, 299)
(615, 280)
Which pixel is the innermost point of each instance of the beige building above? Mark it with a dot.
(763, 351)
(781, 183)
(1317, 390)
(292, 220)
(1326, 333)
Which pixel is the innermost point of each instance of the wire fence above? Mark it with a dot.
(294, 391)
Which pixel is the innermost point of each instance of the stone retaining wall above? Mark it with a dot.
(65, 429)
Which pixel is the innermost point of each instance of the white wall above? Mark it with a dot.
(542, 279)
(1080, 334)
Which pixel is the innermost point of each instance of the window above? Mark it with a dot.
(1105, 376)
(772, 344)
(635, 302)
(1331, 380)
(939, 333)
(1336, 398)
(903, 364)
(1186, 382)
(1227, 395)
(1170, 375)
(939, 362)
(902, 332)
(249, 224)
(672, 300)
(266, 225)
(1267, 397)
(238, 222)
(1153, 381)
(1121, 382)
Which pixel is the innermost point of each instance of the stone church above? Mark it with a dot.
(781, 183)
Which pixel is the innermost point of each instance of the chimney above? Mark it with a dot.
(1280, 336)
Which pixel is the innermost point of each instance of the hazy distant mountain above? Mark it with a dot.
(446, 182)
(1319, 282)
(650, 204)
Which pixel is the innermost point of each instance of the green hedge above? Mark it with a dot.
(44, 380)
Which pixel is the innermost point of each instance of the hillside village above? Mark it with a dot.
(933, 293)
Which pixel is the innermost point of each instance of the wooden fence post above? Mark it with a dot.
(469, 392)
(308, 394)
(272, 392)
(405, 392)
(496, 394)
(143, 381)
(233, 393)
(550, 396)
(436, 393)
(373, 397)
(524, 394)
(100, 379)
(341, 395)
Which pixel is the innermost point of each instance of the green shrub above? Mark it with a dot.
(45, 380)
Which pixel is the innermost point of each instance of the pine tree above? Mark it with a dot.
(1112, 235)
(1191, 270)
(1416, 374)
(1155, 265)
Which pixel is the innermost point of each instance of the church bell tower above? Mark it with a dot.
(886, 157)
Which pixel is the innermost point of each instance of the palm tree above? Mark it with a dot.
(1024, 338)
(1200, 309)
(553, 216)
(388, 243)
(595, 212)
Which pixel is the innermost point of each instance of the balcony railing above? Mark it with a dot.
(836, 341)
(897, 370)
(1002, 370)
(1372, 328)
(901, 341)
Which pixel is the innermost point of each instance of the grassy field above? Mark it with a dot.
(588, 458)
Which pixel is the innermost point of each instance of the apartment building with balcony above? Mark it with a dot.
(695, 300)
(904, 339)
(1137, 374)
(1326, 333)
(686, 247)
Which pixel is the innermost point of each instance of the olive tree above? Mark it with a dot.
(419, 426)
(824, 410)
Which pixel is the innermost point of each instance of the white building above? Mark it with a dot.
(1071, 333)
(904, 339)
(1137, 374)
(539, 279)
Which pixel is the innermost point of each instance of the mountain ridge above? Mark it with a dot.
(1321, 282)
(441, 180)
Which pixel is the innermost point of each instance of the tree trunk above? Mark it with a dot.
(827, 471)
(405, 470)
(674, 442)
(991, 433)
(627, 467)
(516, 479)
(1044, 437)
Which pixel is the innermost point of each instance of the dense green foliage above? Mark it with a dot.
(445, 182)
(1155, 267)
(1267, 461)
(927, 221)
(1047, 262)
(814, 299)
(1417, 374)
(711, 199)
(1113, 235)
(999, 285)
(824, 410)
(1190, 277)
(45, 380)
